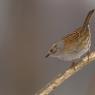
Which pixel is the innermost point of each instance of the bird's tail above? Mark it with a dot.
(87, 19)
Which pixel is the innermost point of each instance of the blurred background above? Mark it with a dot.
(27, 30)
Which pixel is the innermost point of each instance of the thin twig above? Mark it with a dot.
(63, 76)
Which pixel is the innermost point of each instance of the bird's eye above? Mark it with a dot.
(51, 50)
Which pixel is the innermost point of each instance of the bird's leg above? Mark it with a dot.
(88, 53)
(73, 64)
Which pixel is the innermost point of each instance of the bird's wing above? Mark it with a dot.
(73, 36)
(71, 40)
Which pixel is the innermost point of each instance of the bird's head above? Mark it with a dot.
(56, 49)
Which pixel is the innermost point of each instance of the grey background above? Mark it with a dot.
(27, 29)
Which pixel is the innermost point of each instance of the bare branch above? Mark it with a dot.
(63, 76)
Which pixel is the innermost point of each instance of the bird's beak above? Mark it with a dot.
(47, 55)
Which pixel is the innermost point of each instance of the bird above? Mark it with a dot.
(75, 44)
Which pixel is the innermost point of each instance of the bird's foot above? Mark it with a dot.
(73, 65)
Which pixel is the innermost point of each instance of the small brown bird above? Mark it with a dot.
(74, 45)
